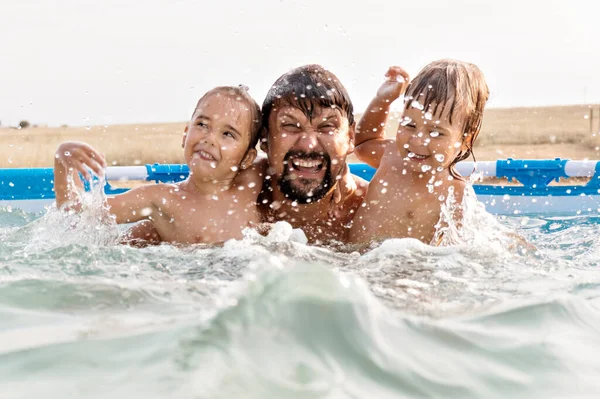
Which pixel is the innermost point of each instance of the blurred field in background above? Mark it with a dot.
(537, 132)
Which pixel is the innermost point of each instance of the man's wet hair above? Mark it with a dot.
(459, 85)
(306, 88)
(240, 93)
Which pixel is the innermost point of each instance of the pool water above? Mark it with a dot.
(271, 317)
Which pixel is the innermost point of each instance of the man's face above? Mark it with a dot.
(307, 154)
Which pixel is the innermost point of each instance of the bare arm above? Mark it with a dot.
(134, 205)
(70, 159)
(370, 142)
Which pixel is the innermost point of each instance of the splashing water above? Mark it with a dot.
(270, 316)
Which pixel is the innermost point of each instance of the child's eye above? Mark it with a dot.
(291, 125)
(202, 124)
(435, 134)
(229, 134)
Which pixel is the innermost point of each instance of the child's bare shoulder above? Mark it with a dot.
(458, 186)
(253, 176)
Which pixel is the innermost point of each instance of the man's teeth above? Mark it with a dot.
(303, 163)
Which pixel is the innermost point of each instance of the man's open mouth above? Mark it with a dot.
(307, 165)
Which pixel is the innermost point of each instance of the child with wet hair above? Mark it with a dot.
(217, 200)
(416, 173)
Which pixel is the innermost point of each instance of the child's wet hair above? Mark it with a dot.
(457, 84)
(306, 88)
(240, 93)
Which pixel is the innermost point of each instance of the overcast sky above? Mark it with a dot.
(82, 62)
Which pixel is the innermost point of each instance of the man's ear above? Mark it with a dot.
(351, 137)
(263, 140)
(184, 136)
(248, 158)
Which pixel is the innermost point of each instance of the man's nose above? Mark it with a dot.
(308, 141)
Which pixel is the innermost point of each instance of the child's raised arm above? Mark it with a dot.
(70, 159)
(370, 142)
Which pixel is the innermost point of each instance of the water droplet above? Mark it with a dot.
(434, 134)
(230, 212)
(425, 168)
(456, 145)
(11, 184)
(234, 168)
(417, 105)
(441, 198)
(586, 117)
(428, 116)
(213, 165)
(214, 198)
(164, 201)
(334, 161)
(439, 157)
(411, 154)
(251, 184)
(383, 190)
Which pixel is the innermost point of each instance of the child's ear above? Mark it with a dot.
(351, 137)
(184, 136)
(263, 140)
(248, 158)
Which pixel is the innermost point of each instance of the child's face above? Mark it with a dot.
(428, 141)
(217, 138)
(307, 154)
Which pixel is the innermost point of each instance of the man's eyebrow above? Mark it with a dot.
(289, 115)
(332, 116)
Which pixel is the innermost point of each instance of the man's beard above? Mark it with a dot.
(305, 191)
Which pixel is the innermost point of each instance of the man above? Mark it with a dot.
(309, 132)
(309, 122)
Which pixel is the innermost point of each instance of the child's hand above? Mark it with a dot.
(395, 84)
(79, 156)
